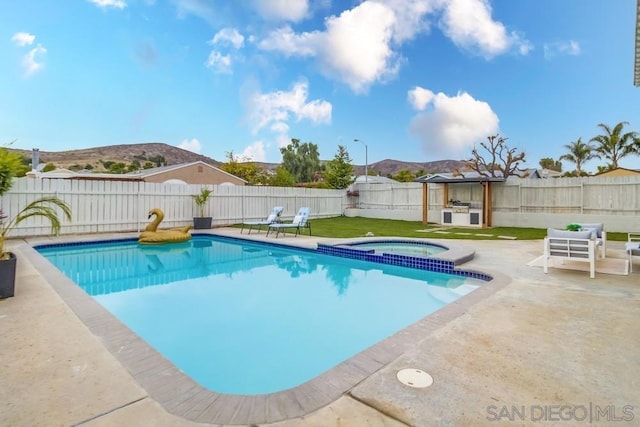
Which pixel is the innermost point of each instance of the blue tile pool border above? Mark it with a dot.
(418, 262)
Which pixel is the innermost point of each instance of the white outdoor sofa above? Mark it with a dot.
(567, 245)
(632, 248)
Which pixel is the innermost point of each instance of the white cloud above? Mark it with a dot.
(279, 127)
(282, 10)
(451, 125)
(287, 42)
(277, 108)
(524, 45)
(469, 25)
(32, 61)
(23, 39)
(253, 153)
(218, 62)
(411, 16)
(228, 36)
(355, 48)
(570, 47)
(360, 47)
(420, 97)
(116, 4)
(192, 145)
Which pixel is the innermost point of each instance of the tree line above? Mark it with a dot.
(493, 158)
(301, 166)
(613, 144)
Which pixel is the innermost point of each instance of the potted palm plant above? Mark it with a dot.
(45, 207)
(202, 222)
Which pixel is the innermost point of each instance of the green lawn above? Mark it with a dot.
(343, 226)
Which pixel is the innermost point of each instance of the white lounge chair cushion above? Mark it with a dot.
(297, 219)
(271, 218)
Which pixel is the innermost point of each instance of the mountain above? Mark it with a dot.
(389, 166)
(127, 153)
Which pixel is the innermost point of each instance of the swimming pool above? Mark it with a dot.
(249, 318)
(409, 247)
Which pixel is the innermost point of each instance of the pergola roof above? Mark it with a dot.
(441, 180)
(450, 178)
(636, 73)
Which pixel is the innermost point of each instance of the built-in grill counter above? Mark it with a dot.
(460, 213)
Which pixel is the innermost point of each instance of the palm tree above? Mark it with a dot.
(579, 152)
(44, 207)
(613, 144)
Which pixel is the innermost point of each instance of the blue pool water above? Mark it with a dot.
(403, 247)
(248, 318)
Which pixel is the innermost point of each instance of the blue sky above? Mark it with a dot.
(415, 80)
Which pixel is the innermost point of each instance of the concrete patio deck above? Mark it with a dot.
(555, 349)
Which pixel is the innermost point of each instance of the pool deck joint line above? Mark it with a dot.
(461, 233)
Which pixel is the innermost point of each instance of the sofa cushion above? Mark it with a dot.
(596, 227)
(565, 234)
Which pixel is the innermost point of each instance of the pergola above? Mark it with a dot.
(485, 181)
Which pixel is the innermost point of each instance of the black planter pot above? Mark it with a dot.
(8, 276)
(202, 223)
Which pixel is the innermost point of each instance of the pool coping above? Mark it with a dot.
(458, 254)
(179, 395)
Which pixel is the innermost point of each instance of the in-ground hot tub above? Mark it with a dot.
(407, 247)
(420, 254)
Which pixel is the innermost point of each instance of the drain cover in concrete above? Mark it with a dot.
(416, 378)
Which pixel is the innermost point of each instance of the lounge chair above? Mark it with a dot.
(632, 247)
(273, 217)
(301, 220)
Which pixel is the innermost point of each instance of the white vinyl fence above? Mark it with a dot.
(543, 203)
(402, 200)
(537, 203)
(115, 206)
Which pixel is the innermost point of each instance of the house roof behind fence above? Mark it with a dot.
(374, 179)
(138, 175)
(162, 169)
